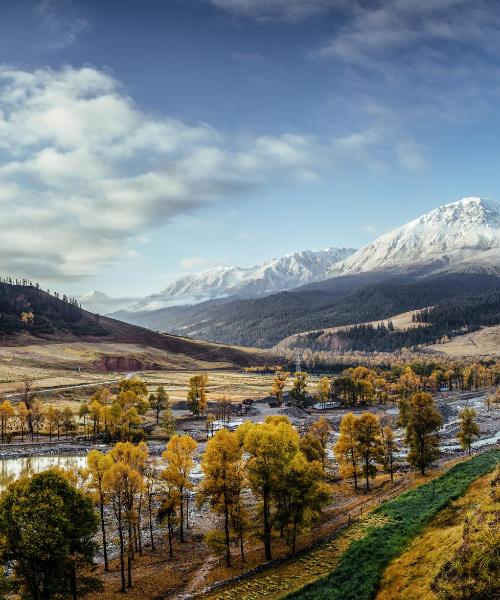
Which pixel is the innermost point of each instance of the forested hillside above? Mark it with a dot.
(455, 317)
(266, 321)
(24, 307)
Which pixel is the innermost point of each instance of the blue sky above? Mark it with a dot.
(141, 140)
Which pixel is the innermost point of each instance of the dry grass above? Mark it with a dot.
(485, 342)
(411, 574)
(57, 364)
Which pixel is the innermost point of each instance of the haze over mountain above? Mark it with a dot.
(275, 275)
(99, 302)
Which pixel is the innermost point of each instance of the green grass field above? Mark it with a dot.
(362, 565)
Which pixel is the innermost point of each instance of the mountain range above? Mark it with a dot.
(261, 305)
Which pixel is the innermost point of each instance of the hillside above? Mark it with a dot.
(399, 322)
(437, 324)
(30, 315)
(264, 322)
(484, 342)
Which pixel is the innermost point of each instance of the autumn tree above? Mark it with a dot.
(299, 389)
(22, 415)
(468, 428)
(95, 408)
(389, 448)
(279, 382)
(121, 483)
(422, 430)
(158, 401)
(68, 421)
(197, 394)
(310, 446)
(321, 430)
(7, 412)
(48, 530)
(37, 416)
(135, 385)
(369, 444)
(346, 449)
(151, 476)
(306, 495)
(83, 412)
(97, 464)
(270, 447)
(323, 392)
(168, 423)
(51, 417)
(179, 458)
(222, 483)
(167, 512)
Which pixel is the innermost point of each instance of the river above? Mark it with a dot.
(13, 468)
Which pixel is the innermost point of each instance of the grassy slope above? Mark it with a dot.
(485, 342)
(55, 322)
(411, 574)
(360, 568)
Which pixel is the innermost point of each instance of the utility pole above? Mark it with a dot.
(297, 362)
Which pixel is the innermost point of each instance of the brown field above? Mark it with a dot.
(485, 342)
(73, 363)
(412, 573)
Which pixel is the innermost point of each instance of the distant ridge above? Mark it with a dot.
(271, 276)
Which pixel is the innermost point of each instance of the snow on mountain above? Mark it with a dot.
(271, 276)
(464, 235)
(99, 302)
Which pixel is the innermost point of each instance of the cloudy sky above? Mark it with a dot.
(141, 140)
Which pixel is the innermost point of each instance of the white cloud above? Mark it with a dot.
(61, 22)
(85, 173)
(368, 229)
(277, 10)
(197, 263)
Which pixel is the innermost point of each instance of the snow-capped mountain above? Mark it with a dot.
(460, 236)
(271, 276)
(99, 302)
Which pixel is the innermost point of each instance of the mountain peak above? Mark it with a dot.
(467, 231)
(274, 275)
(470, 211)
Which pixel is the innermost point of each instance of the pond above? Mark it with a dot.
(13, 468)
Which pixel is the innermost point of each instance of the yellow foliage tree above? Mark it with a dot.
(179, 457)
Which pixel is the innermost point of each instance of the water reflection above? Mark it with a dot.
(13, 468)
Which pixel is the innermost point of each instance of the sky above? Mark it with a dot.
(141, 140)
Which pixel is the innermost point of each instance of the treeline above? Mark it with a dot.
(111, 417)
(364, 386)
(24, 306)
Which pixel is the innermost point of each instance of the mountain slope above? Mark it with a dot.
(30, 315)
(455, 236)
(264, 322)
(268, 277)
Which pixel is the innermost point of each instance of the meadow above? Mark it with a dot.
(360, 568)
